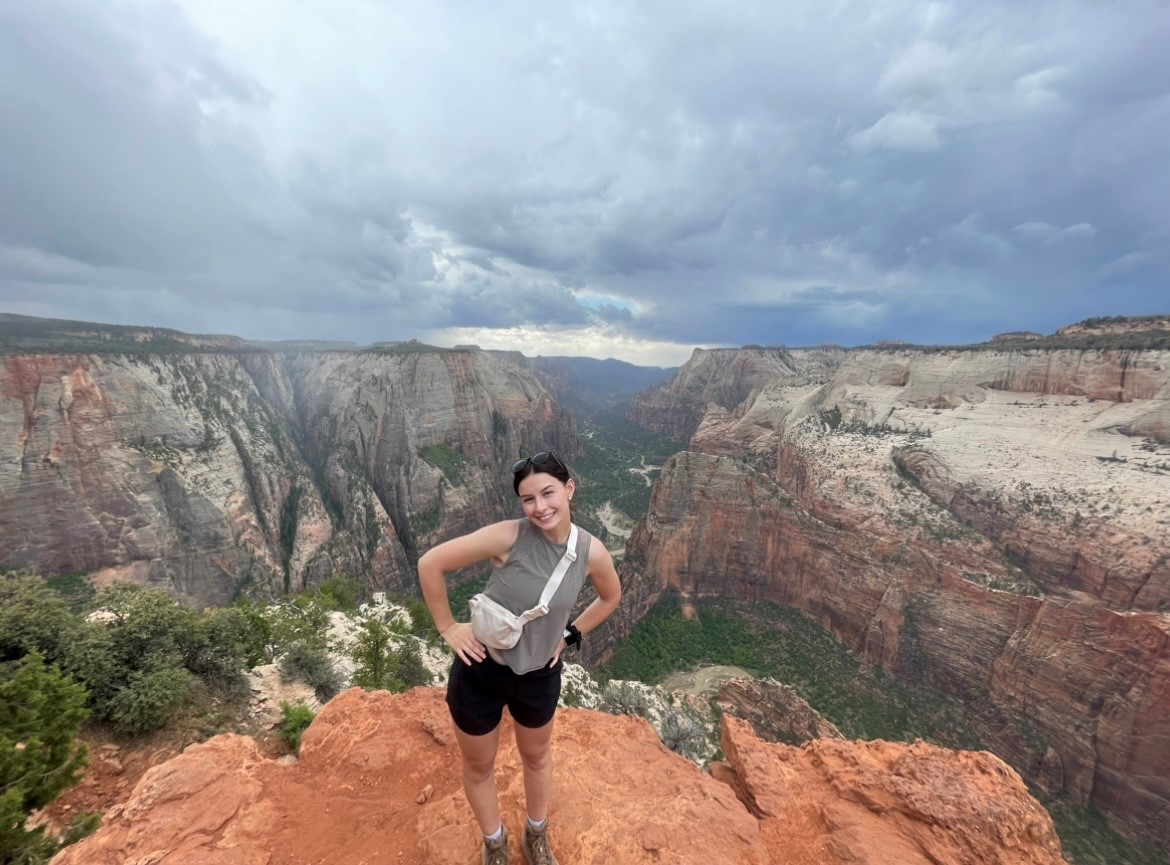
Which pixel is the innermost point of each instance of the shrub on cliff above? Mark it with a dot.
(131, 655)
(296, 720)
(624, 698)
(32, 617)
(309, 663)
(381, 666)
(218, 652)
(682, 733)
(41, 710)
(140, 651)
(271, 628)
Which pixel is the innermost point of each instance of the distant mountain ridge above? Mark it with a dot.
(584, 384)
(608, 381)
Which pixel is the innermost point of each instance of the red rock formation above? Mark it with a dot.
(1124, 568)
(378, 780)
(1090, 686)
(1032, 578)
(885, 804)
(776, 712)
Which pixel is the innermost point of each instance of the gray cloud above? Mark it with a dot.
(785, 174)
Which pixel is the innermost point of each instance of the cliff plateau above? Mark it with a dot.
(378, 780)
(995, 522)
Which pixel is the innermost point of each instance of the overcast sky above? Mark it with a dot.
(627, 179)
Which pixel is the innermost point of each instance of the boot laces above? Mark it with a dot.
(498, 856)
(541, 854)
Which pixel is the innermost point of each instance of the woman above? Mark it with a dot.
(527, 677)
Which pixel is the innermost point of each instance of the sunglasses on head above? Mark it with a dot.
(538, 460)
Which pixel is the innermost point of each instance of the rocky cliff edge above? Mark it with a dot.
(378, 781)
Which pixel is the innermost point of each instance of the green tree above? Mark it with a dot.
(133, 656)
(257, 632)
(304, 619)
(141, 651)
(33, 617)
(336, 593)
(381, 666)
(147, 699)
(411, 669)
(421, 623)
(41, 710)
(269, 629)
(376, 664)
(220, 651)
(296, 720)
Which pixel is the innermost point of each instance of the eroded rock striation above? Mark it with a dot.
(724, 377)
(378, 779)
(776, 712)
(209, 471)
(996, 522)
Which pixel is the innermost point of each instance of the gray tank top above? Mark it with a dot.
(518, 584)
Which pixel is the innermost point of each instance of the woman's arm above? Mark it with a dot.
(490, 542)
(604, 578)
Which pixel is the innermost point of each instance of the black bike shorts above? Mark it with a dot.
(477, 694)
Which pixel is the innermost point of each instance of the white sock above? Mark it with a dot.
(495, 836)
(532, 824)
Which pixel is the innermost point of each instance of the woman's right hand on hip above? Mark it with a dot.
(463, 642)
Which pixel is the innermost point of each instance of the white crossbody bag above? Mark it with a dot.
(496, 626)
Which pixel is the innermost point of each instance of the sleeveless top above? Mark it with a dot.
(518, 584)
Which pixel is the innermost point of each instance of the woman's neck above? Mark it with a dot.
(559, 535)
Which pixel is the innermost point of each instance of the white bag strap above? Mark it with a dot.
(554, 582)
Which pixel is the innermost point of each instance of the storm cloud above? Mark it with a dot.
(613, 179)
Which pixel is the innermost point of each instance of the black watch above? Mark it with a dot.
(572, 635)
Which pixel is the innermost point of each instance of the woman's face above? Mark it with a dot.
(545, 500)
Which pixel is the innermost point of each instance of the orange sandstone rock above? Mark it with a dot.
(378, 780)
(834, 801)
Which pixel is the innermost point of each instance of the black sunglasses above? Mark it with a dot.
(538, 460)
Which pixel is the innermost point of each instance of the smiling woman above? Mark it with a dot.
(529, 556)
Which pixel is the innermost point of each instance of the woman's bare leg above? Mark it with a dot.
(535, 747)
(479, 777)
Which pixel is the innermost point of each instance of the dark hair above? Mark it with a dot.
(551, 465)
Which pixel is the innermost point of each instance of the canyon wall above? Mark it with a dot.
(724, 377)
(209, 472)
(994, 522)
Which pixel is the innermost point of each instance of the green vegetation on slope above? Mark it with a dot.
(781, 642)
(41, 710)
(446, 459)
(615, 449)
(1087, 839)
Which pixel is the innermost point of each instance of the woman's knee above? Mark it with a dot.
(535, 757)
(477, 769)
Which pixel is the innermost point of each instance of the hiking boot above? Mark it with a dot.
(495, 854)
(536, 849)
